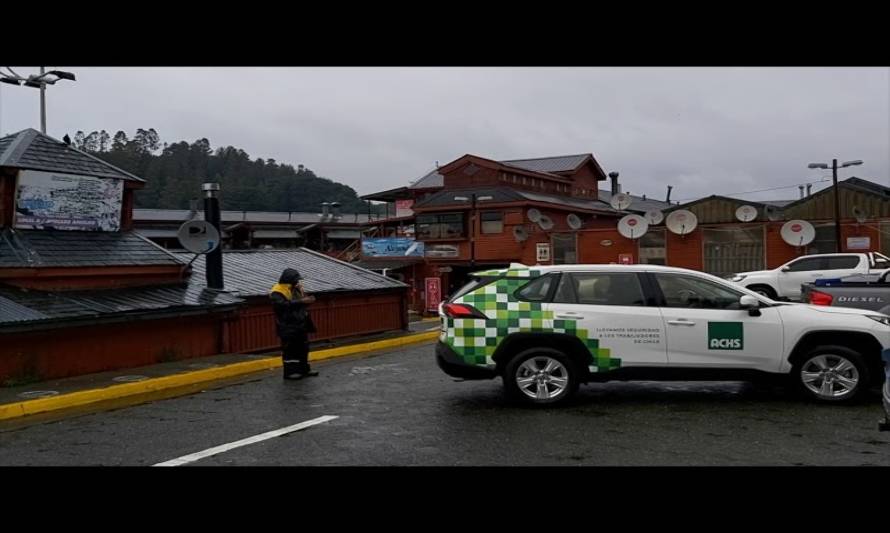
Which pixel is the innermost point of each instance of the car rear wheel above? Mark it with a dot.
(831, 374)
(764, 290)
(541, 376)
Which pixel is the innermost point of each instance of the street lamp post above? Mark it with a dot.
(837, 205)
(39, 81)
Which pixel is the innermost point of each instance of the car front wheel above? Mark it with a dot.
(831, 374)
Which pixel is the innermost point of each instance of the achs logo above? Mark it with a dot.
(725, 336)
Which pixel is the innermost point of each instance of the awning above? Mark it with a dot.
(344, 234)
(275, 234)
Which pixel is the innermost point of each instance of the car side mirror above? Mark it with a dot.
(750, 303)
(786, 269)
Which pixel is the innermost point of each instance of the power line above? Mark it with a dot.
(762, 190)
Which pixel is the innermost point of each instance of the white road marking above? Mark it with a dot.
(244, 442)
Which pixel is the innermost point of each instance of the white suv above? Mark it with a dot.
(785, 281)
(547, 329)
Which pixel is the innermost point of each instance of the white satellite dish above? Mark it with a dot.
(545, 223)
(534, 215)
(574, 221)
(772, 214)
(798, 232)
(681, 221)
(654, 216)
(198, 236)
(633, 226)
(746, 213)
(859, 214)
(620, 201)
(520, 233)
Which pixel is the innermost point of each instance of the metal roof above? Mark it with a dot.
(506, 195)
(25, 307)
(181, 215)
(30, 149)
(42, 248)
(560, 163)
(253, 272)
(639, 204)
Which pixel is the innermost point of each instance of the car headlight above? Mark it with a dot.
(737, 278)
(880, 318)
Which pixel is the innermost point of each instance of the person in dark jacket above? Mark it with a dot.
(293, 323)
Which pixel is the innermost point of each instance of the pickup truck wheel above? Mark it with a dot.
(541, 376)
(831, 374)
(764, 290)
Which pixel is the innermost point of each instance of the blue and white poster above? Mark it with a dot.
(68, 202)
(392, 247)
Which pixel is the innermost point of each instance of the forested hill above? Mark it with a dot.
(174, 174)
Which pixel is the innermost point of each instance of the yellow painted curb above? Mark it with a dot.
(80, 398)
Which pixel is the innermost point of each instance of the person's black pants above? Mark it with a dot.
(295, 354)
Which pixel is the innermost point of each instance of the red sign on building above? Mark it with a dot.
(433, 293)
(625, 259)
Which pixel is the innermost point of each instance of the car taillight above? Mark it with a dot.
(820, 298)
(462, 311)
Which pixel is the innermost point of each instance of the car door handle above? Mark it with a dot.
(569, 315)
(681, 322)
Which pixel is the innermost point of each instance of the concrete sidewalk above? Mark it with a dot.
(134, 385)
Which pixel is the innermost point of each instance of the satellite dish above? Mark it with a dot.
(520, 233)
(746, 213)
(681, 221)
(633, 226)
(798, 232)
(574, 221)
(534, 215)
(198, 236)
(545, 223)
(859, 214)
(654, 216)
(771, 213)
(620, 201)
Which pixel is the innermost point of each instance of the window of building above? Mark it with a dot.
(824, 243)
(733, 249)
(492, 222)
(439, 226)
(884, 228)
(564, 248)
(652, 247)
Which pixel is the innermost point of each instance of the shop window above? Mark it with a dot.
(492, 222)
(825, 242)
(440, 226)
(652, 247)
(564, 249)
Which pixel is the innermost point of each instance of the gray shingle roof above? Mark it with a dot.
(253, 272)
(40, 248)
(30, 149)
(561, 163)
(430, 180)
(21, 307)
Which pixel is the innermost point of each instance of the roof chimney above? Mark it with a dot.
(616, 187)
(809, 187)
(335, 206)
(325, 210)
(801, 190)
(667, 199)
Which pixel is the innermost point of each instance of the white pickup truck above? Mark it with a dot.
(784, 282)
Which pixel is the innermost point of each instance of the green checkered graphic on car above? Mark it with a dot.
(475, 340)
(510, 273)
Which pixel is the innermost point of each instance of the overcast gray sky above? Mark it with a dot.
(702, 130)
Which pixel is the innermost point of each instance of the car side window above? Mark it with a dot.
(601, 288)
(806, 265)
(696, 293)
(538, 289)
(843, 262)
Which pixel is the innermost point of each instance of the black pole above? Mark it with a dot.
(473, 231)
(837, 208)
(214, 267)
